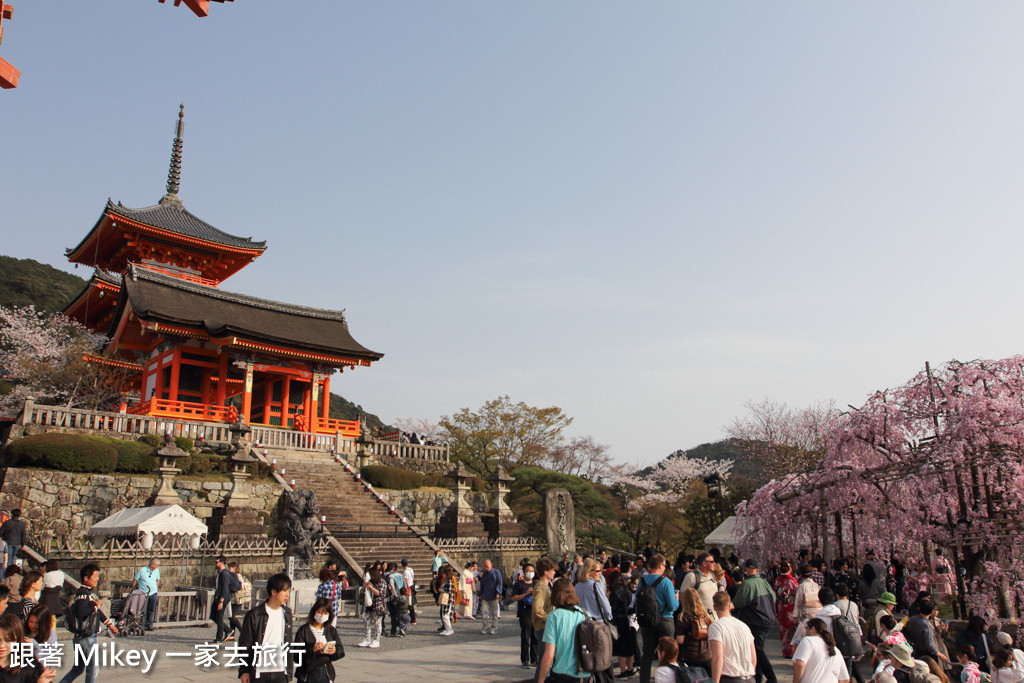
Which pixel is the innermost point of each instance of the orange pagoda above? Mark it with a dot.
(196, 351)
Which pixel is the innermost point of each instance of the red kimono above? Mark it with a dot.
(785, 595)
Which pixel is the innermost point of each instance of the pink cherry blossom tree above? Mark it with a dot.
(936, 462)
(44, 355)
(653, 500)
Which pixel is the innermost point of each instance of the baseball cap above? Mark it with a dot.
(1004, 638)
(750, 563)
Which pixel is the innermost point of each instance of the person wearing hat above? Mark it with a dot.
(755, 606)
(901, 662)
(1006, 641)
(886, 605)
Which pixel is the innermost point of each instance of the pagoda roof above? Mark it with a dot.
(172, 303)
(172, 217)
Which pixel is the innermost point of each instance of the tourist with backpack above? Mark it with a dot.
(656, 602)
(755, 607)
(83, 620)
(671, 671)
(558, 661)
(692, 622)
(817, 659)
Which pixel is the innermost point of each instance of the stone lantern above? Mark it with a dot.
(502, 521)
(460, 520)
(167, 456)
(240, 434)
(239, 460)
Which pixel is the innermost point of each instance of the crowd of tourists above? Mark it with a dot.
(703, 617)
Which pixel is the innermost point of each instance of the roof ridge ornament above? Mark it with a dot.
(174, 173)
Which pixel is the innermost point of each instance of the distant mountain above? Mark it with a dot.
(343, 409)
(26, 282)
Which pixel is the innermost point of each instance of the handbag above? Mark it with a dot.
(367, 597)
(444, 599)
(611, 627)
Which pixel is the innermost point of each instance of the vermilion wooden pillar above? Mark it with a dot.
(247, 395)
(175, 374)
(325, 402)
(222, 382)
(285, 396)
(314, 404)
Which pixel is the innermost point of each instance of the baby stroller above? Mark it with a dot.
(130, 613)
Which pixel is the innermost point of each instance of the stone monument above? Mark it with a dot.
(560, 521)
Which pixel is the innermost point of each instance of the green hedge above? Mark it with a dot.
(395, 478)
(68, 452)
(182, 442)
(135, 457)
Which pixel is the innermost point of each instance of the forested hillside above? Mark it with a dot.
(24, 282)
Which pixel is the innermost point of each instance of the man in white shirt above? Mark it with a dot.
(733, 657)
(265, 632)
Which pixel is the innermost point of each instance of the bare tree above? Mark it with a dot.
(784, 440)
(583, 457)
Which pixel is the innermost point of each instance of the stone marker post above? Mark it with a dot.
(560, 522)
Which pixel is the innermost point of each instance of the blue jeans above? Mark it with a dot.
(151, 602)
(87, 644)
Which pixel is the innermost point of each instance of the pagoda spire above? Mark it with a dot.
(174, 173)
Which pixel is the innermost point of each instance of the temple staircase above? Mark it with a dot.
(357, 522)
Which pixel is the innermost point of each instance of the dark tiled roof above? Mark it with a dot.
(164, 298)
(101, 275)
(176, 218)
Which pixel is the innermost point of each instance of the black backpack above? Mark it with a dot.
(690, 674)
(847, 635)
(648, 611)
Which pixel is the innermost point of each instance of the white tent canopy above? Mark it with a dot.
(170, 520)
(724, 536)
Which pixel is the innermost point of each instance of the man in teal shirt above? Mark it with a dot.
(439, 559)
(146, 580)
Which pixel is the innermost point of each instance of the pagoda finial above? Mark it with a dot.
(174, 174)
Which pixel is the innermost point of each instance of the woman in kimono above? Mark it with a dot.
(785, 595)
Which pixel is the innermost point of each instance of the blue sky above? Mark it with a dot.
(645, 213)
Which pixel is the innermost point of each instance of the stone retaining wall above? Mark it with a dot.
(424, 508)
(65, 505)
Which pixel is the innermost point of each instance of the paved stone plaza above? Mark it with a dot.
(423, 656)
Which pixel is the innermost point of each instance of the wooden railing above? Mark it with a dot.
(184, 606)
(162, 407)
(347, 428)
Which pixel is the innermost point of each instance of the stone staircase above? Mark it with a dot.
(360, 523)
